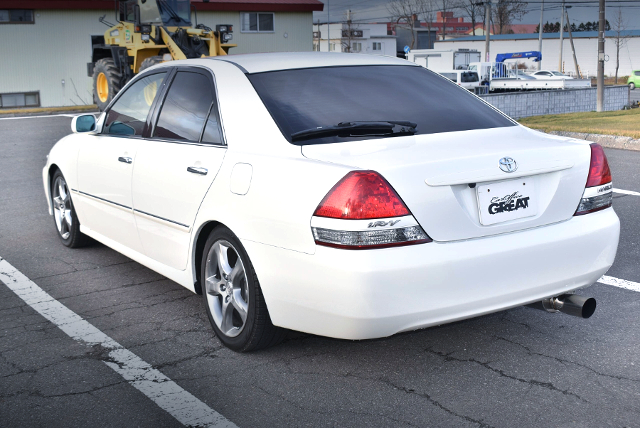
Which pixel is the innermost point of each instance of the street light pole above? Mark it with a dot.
(561, 37)
(328, 25)
(540, 34)
(487, 28)
(601, 58)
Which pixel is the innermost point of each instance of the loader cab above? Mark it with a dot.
(170, 13)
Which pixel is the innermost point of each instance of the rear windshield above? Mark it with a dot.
(304, 99)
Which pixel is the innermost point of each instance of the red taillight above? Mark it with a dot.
(361, 195)
(598, 192)
(599, 172)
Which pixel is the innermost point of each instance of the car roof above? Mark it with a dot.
(264, 62)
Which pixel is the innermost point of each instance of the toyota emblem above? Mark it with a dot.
(508, 164)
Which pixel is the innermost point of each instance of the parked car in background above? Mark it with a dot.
(634, 79)
(548, 74)
(349, 196)
(465, 78)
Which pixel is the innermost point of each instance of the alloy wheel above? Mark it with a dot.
(62, 207)
(226, 288)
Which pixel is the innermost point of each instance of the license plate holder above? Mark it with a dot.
(506, 200)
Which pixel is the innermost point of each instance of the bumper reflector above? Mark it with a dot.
(370, 239)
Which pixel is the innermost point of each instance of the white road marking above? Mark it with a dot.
(629, 285)
(49, 115)
(168, 395)
(626, 192)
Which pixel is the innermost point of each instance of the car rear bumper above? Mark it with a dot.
(363, 294)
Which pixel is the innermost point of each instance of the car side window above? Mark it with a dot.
(637, 73)
(186, 108)
(129, 113)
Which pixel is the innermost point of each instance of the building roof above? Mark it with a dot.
(576, 35)
(264, 62)
(216, 5)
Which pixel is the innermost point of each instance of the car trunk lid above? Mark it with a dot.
(447, 179)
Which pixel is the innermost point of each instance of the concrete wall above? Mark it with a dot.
(537, 103)
(57, 47)
(586, 53)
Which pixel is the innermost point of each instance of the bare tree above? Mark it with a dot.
(507, 11)
(405, 13)
(471, 8)
(445, 6)
(619, 26)
(427, 10)
(348, 28)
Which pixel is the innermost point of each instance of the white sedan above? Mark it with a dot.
(549, 74)
(350, 196)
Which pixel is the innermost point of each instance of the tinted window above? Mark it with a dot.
(469, 77)
(306, 99)
(185, 108)
(129, 113)
(451, 76)
(637, 73)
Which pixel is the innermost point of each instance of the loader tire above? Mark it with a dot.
(150, 62)
(106, 82)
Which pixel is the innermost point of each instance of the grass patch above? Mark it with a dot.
(622, 122)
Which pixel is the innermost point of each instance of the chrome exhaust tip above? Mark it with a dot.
(570, 304)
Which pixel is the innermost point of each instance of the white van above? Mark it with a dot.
(466, 78)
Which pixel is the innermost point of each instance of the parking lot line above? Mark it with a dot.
(168, 395)
(616, 282)
(626, 192)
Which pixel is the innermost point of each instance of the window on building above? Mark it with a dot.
(25, 99)
(377, 46)
(356, 47)
(16, 16)
(255, 22)
(462, 28)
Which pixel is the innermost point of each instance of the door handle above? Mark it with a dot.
(125, 159)
(197, 170)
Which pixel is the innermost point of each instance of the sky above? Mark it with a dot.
(581, 11)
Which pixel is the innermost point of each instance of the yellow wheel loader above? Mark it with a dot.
(149, 32)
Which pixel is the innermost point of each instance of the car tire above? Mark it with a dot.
(632, 86)
(150, 62)
(231, 292)
(106, 82)
(64, 214)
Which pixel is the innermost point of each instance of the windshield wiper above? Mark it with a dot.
(360, 128)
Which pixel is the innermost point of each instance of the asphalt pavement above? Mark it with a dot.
(520, 367)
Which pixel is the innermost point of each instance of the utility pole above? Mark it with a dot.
(561, 37)
(601, 58)
(328, 24)
(573, 49)
(540, 34)
(487, 28)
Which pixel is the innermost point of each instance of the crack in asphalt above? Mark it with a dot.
(434, 402)
(548, 385)
(328, 412)
(98, 267)
(561, 360)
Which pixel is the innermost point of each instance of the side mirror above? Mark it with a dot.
(84, 123)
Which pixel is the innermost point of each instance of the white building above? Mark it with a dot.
(45, 45)
(586, 45)
(365, 38)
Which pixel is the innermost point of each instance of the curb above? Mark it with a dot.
(46, 111)
(610, 141)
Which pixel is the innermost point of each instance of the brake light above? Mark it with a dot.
(598, 192)
(599, 172)
(362, 211)
(361, 195)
